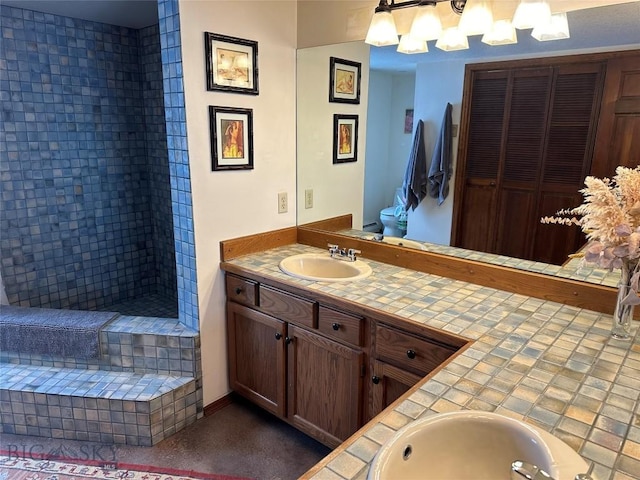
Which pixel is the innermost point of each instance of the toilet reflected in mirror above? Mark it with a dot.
(393, 218)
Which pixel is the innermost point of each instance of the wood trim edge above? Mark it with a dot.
(219, 404)
(546, 287)
(333, 224)
(236, 247)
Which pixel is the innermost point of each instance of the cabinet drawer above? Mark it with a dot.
(408, 351)
(241, 290)
(288, 307)
(340, 326)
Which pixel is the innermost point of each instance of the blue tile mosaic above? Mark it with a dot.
(86, 212)
(169, 23)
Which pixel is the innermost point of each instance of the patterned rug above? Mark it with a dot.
(14, 467)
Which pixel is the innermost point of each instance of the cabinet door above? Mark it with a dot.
(325, 386)
(257, 357)
(388, 384)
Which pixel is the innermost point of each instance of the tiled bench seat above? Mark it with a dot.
(95, 405)
(135, 344)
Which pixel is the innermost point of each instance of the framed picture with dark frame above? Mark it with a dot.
(231, 138)
(232, 64)
(344, 84)
(345, 138)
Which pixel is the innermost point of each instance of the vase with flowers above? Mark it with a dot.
(610, 218)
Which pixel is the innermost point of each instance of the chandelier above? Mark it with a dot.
(476, 18)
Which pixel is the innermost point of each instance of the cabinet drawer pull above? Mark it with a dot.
(411, 354)
(278, 335)
(238, 290)
(288, 340)
(375, 379)
(335, 326)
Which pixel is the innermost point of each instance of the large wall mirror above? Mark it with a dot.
(396, 88)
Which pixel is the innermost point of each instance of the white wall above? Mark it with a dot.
(436, 84)
(338, 189)
(229, 204)
(388, 147)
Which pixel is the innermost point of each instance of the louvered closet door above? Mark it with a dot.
(567, 160)
(476, 216)
(525, 156)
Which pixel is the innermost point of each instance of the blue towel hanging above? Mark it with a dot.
(414, 185)
(440, 169)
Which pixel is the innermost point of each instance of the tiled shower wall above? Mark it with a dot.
(158, 161)
(86, 218)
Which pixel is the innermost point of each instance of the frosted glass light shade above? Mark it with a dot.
(531, 13)
(502, 33)
(408, 44)
(556, 29)
(477, 18)
(452, 39)
(426, 23)
(382, 30)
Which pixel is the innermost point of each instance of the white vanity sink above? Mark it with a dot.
(323, 268)
(404, 242)
(472, 445)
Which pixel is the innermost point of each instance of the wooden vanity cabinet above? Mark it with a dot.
(256, 351)
(279, 359)
(306, 362)
(400, 360)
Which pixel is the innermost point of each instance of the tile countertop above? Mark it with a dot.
(549, 364)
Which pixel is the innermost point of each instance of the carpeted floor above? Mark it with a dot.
(238, 441)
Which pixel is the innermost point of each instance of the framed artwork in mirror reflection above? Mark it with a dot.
(231, 138)
(344, 83)
(345, 138)
(232, 64)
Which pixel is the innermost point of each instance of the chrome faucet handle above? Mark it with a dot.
(333, 249)
(352, 252)
(528, 471)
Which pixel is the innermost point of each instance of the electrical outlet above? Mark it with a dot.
(308, 198)
(282, 202)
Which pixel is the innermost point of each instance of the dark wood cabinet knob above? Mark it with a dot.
(288, 340)
(278, 335)
(238, 290)
(335, 326)
(411, 354)
(375, 379)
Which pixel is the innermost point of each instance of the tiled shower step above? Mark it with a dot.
(95, 405)
(134, 344)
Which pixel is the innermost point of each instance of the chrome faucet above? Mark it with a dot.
(524, 470)
(343, 254)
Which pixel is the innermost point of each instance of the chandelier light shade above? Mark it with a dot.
(426, 24)
(408, 44)
(452, 39)
(531, 13)
(477, 17)
(382, 30)
(556, 29)
(502, 33)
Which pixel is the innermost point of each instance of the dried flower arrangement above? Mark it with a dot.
(610, 218)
